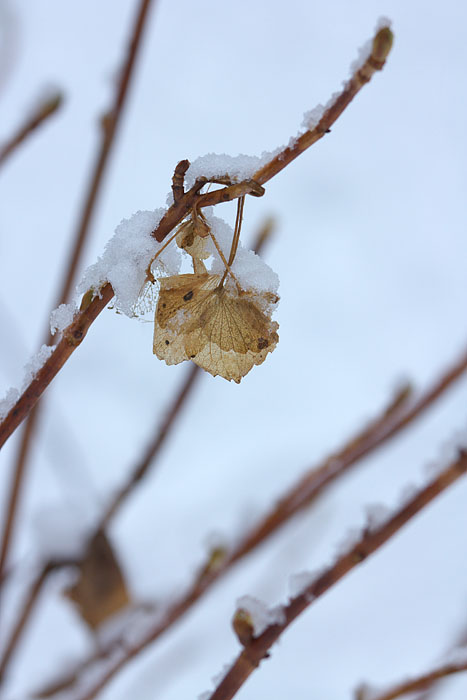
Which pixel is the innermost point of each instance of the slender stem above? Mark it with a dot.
(179, 401)
(237, 230)
(28, 606)
(398, 415)
(72, 337)
(45, 109)
(139, 472)
(422, 682)
(154, 447)
(177, 212)
(371, 540)
(95, 184)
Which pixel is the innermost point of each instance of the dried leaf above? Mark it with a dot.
(223, 330)
(100, 590)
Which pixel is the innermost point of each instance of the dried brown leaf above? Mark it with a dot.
(100, 590)
(223, 330)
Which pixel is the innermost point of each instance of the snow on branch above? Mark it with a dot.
(256, 649)
(18, 407)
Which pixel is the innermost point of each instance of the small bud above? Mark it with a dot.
(51, 104)
(86, 300)
(216, 558)
(382, 44)
(242, 624)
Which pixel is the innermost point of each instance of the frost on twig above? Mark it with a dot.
(370, 541)
(30, 370)
(126, 258)
(218, 316)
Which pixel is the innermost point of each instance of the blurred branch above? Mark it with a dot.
(136, 476)
(398, 415)
(173, 412)
(372, 539)
(422, 682)
(434, 687)
(28, 605)
(109, 131)
(46, 108)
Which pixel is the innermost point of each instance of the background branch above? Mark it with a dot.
(397, 416)
(257, 650)
(139, 472)
(45, 109)
(109, 132)
(180, 209)
(422, 682)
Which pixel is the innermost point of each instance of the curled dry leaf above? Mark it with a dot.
(100, 590)
(221, 328)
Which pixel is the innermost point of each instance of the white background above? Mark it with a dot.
(371, 251)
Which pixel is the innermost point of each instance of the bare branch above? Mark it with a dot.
(109, 132)
(398, 415)
(45, 109)
(192, 198)
(29, 604)
(254, 652)
(72, 337)
(423, 682)
(135, 478)
(178, 402)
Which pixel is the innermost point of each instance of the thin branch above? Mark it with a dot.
(45, 109)
(28, 606)
(179, 400)
(109, 132)
(135, 478)
(154, 447)
(72, 337)
(413, 685)
(397, 416)
(434, 687)
(177, 212)
(372, 539)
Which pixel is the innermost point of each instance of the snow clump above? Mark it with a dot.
(261, 616)
(126, 258)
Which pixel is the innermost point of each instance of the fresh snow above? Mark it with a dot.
(61, 317)
(126, 258)
(250, 270)
(261, 616)
(31, 368)
(215, 165)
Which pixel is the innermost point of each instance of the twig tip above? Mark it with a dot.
(382, 44)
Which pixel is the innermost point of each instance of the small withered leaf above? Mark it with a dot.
(224, 331)
(100, 590)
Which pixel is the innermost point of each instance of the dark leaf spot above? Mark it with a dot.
(188, 295)
(262, 343)
(167, 342)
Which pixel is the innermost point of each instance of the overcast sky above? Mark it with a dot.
(370, 247)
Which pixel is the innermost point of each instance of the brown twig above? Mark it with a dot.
(180, 209)
(95, 183)
(138, 473)
(422, 682)
(398, 415)
(171, 415)
(28, 606)
(45, 109)
(371, 540)
(72, 337)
